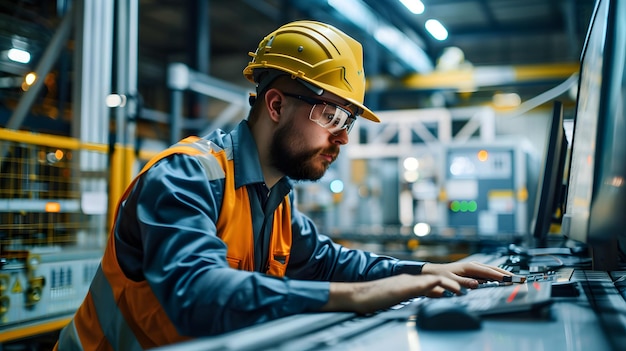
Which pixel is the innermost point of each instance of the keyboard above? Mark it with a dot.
(508, 298)
(532, 268)
(496, 297)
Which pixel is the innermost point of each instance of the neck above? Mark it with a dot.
(271, 177)
(263, 138)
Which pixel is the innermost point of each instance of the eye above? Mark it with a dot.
(330, 117)
(329, 114)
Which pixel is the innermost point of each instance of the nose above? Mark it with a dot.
(340, 138)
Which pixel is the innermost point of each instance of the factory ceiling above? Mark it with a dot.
(536, 43)
(493, 46)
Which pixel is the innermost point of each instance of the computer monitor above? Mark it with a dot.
(596, 199)
(550, 186)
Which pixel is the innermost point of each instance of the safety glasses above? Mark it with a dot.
(328, 115)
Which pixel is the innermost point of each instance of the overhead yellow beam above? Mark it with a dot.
(544, 72)
(473, 78)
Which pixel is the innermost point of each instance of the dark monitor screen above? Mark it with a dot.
(549, 189)
(594, 212)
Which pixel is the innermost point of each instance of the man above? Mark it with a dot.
(207, 238)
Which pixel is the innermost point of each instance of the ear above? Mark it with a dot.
(273, 101)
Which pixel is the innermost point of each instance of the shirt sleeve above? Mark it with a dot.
(319, 258)
(166, 234)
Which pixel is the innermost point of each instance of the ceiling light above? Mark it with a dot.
(18, 55)
(415, 6)
(30, 78)
(398, 43)
(115, 100)
(411, 164)
(436, 29)
(411, 176)
(421, 229)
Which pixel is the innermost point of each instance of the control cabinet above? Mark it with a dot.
(35, 286)
(485, 189)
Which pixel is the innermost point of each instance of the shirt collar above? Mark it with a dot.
(246, 156)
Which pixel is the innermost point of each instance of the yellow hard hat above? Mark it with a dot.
(317, 53)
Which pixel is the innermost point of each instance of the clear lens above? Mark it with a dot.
(333, 118)
(330, 116)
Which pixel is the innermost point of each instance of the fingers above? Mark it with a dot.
(467, 282)
(467, 273)
(438, 286)
(484, 271)
(370, 296)
(503, 271)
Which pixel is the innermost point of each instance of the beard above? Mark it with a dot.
(292, 159)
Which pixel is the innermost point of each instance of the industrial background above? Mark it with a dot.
(89, 90)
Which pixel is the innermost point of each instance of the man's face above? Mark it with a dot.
(293, 153)
(309, 134)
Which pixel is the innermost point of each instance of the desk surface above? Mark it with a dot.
(567, 324)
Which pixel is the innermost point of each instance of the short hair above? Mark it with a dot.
(282, 83)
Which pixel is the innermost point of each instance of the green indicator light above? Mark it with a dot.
(472, 206)
(455, 206)
(464, 206)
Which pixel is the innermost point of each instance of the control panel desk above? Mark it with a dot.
(567, 324)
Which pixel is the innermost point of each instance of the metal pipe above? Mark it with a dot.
(175, 122)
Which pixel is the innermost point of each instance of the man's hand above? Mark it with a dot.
(466, 273)
(372, 296)
(436, 278)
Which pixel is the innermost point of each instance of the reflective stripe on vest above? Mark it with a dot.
(69, 339)
(115, 328)
(117, 332)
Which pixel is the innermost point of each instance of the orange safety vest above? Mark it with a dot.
(121, 314)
